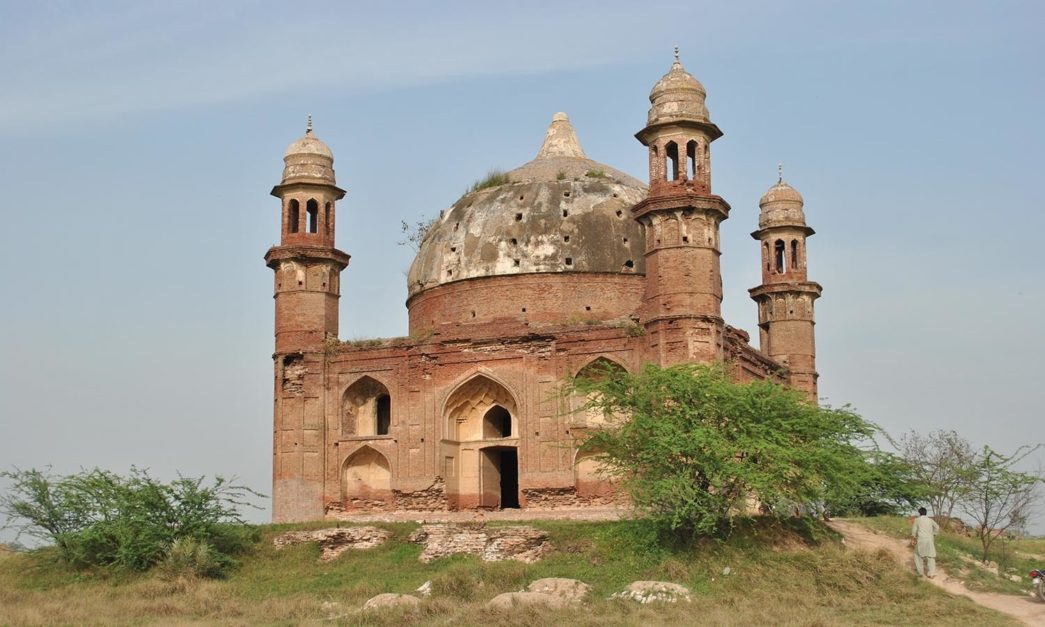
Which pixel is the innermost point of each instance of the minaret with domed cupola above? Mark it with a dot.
(785, 298)
(681, 308)
(307, 288)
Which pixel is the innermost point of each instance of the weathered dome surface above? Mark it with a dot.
(309, 144)
(308, 160)
(677, 95)
(781, 205)
(561, 212)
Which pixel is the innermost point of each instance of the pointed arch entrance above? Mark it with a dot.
(480, 445)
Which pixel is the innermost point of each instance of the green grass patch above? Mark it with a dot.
(493, 178)
(780, 571)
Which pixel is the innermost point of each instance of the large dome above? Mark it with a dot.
(561, 213)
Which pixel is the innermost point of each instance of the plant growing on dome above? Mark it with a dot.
(414, 234)
(494, 178)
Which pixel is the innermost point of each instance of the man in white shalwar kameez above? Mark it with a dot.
(922, 533)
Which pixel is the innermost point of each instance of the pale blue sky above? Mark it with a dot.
(140, 140)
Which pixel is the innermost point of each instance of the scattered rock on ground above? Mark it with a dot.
(568, 589)
(425, 589)
(508, 600)
(521, 543)
(653, 591)
(333, 542)
(391, 599)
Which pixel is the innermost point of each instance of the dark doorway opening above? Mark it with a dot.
(509, 467)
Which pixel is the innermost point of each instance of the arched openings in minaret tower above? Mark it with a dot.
(779, 257)
(312, 207)
(671, 163)
(293, 216)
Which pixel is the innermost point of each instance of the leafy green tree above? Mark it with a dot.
(944, 462)
(887, 486)
(696, 447)
(98, 518)
(999, 499)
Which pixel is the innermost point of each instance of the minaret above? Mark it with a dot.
(785, 298)
(307, 289)
(682, 303)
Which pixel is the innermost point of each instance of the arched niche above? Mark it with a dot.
(597, 370)
(480, 409)
(592, 475)
(366, 475)
(366, 409)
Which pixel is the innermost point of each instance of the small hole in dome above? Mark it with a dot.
(520, 197)
(625, 240)
(569, 261)
(658, 241)
(453, 249)
(565, 213)
(524, 309)
(685, 239)
(587, 308)
(473, 314)
(629, 264)
(518, 217)
(516, 262)
(300, 283)
(513, 241)
(614, 194)
(456, 224)
(565, 238)
(566, 194)
(449, 273)
(619, 213)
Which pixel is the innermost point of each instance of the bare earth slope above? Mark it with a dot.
(1027, 610)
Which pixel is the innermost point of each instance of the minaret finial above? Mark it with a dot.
(677, 55)
(308, 129)
(780, 172)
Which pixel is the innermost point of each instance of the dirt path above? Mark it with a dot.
(1027, 610)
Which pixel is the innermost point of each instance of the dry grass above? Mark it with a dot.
(777, 578)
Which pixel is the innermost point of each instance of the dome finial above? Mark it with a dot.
(780, 172)
(677, 60)
(308, 127)
(561, 140)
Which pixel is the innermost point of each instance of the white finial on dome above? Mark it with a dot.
(308, 127)
(780, 172)
(561, 139)
(677, 59)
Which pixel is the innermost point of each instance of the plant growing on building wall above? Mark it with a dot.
(697, 447)
(134, 522)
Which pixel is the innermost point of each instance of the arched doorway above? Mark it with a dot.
(480, 445)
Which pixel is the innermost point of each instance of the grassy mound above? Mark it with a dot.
(780, 572)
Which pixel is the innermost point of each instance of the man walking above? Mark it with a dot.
(922, 533)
